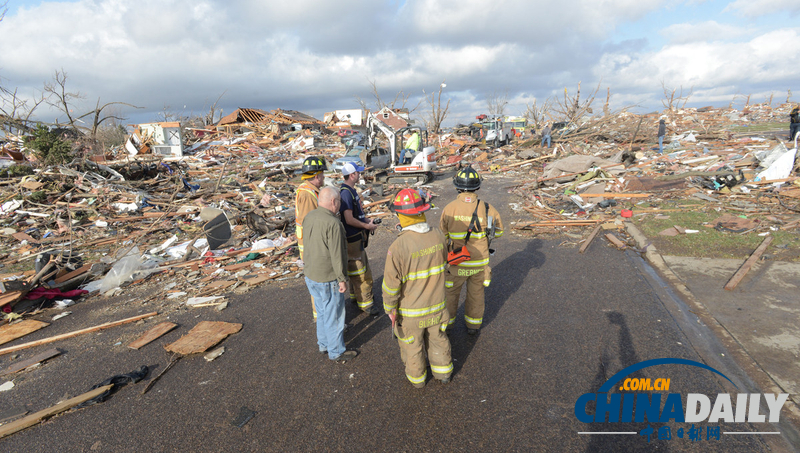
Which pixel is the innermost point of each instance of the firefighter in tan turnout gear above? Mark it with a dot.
(471, 223)
(413, 291)
(306, 199)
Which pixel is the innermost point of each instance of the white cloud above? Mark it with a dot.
(315, 55)
(765, 63)
(756, 8)
(704, 31)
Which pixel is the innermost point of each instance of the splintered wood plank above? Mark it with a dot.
(49, 354)
(221, 284)
(37, 417)
(203, 336)
(11, 332)
(158, 330)
(260, 277)
(739, 275)
(10, 297)
(237, 266)
(614, 240)
(590, 238)
(81, 270)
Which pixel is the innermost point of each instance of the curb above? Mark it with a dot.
(737, 351)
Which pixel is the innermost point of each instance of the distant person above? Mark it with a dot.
(662, 131)
(546, 135)
(794, 123)
(412, 146)
(326, 273)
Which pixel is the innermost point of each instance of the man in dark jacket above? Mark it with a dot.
(662, 131)
(794, 123)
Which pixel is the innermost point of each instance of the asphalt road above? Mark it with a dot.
(558, 325)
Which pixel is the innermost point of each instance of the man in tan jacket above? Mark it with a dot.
(306, 200)
(413, 291)
(471, 223)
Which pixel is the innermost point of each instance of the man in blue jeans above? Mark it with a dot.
(325, 254)
(546, 135)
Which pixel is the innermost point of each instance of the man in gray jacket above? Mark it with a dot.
(326, 272)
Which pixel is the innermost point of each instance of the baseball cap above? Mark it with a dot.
(350, 168)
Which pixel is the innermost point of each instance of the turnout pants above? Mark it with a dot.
(476, 279)
(416, 340)
(360, 275)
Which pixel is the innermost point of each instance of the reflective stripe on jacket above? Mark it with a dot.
(414, 275)
(455, 221)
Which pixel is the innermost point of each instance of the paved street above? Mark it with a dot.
(558, 325)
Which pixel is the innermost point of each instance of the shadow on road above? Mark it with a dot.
(507, 278)
(617, 353)
(363, 326)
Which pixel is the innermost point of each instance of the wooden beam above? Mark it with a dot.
(75, 333)
(614, 240)
(49, 354)
(590, 238)
(739, 275)
(37, 417)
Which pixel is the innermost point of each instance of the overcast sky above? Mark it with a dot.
(316, 56)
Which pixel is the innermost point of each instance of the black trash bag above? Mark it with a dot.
(118, 381)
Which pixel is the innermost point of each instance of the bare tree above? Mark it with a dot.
(538, 115)
(98, 118)
(788, 95)
(572, 108)
(399, 101)
(438, 114)
(59, 98)
(496, 103)
(212, 112)
(673, 97)
(3, 10)
(16, 112)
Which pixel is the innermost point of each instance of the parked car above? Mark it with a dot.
(358, 155)
(350, 141)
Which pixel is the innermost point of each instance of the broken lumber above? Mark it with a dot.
(75, 333)
(203, 336)
(11, 332)
(614, 240)
(152, 334)
(37, 417)
(39, 358)
(739, 275)
(590, 238)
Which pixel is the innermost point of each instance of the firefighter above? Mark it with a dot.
(414, 294)
(357, 228)
(471, 223)
(306, 197)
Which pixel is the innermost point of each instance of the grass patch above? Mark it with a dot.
(710, 243)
